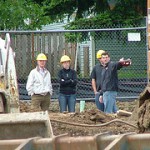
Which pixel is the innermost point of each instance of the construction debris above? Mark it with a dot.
(124, 113)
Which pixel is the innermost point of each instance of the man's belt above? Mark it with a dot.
(42, 94)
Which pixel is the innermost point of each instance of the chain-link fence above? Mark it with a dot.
(81, 46)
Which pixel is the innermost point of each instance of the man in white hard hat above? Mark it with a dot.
(39, 85)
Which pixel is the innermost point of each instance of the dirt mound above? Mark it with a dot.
(25, 106)
(134, 117)
(63, 122)
(143, 111)
(87, 117)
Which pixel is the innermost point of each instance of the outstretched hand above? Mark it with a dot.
(125, 62)
(121, 59)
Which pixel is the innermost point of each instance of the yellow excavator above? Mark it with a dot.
(13, 124)
(9, 97)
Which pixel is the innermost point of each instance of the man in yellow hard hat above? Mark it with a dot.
(96, 81)
(39, 85)
(105, 81)
(68, 81)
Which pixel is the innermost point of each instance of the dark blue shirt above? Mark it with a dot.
(106, 77)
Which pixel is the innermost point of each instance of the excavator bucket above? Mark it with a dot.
(129, 141)
(25, 125)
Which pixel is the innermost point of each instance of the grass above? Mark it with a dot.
(136, 74)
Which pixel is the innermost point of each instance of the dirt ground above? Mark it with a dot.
(144, 111)
(91, 116)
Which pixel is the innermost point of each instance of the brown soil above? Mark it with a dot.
(91, 116)
(144, 112)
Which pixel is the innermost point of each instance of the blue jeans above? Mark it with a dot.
(67, 100)
(109, 99)
(99, 105)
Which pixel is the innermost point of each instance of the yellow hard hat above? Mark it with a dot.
(99, 54)
(41, 56)
(64, 58)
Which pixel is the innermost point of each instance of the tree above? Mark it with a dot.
(58, 9)
(15, 13)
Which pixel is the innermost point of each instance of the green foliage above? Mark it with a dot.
(103, 19)
(132, 74)
(58, 9)
(106, 19)
(15, 12)
(41, 12)
(73, 37)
